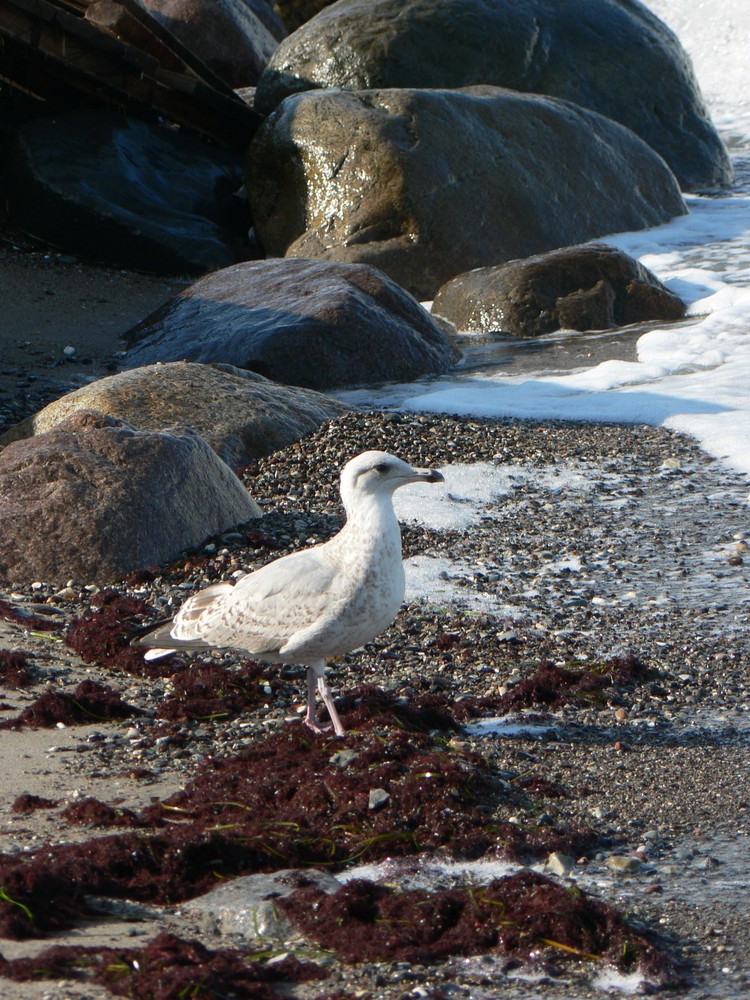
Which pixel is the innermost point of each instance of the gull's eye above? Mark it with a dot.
(382, 467)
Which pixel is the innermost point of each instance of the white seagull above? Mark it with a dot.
(313, 604)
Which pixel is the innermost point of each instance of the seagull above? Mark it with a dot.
(314, 604)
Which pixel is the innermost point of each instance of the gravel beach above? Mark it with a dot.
(607, 541)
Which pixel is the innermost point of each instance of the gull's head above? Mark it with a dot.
(376, 473)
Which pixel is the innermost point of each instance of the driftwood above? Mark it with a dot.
(115, 54)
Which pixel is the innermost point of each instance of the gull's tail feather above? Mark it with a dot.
(161, 642)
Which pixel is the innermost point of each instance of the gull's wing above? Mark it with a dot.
(262, 610)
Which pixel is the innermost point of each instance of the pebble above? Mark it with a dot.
(560, 864)
(624, 864)
(378, 798)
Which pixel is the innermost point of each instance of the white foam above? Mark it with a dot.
(428, 873)
(508, 725)
(692, 376)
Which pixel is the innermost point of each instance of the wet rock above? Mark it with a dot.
(127, 193)
(308, 323)
(568, 50)
(247, 905)
(296, 12)
(343, 758)
(560, 864)
(95, 498)
(624, 864)
(227, 35)
(240, 414)
(591, 287)
(268, 14)
(377, 798)
(427, 184)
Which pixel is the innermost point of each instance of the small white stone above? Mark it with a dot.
(69, 351)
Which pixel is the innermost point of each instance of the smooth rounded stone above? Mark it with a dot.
(624, 864)
(427, 184)
(591, 287)
(243, 416)
(227, 35)
(613, 56)
(246, 905)
(560, 864)
(94, 498)
(307, 323)
(128, 193)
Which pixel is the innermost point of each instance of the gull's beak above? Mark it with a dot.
(428, 476)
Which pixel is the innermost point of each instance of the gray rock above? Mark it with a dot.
(377, 798)
(308, 323)
(125, 192)
(592, 287)
(240, 414)
(427, 184)
(246, 905)
(227, 35)
(624, 864)
(269, 17)
(613, 56)
(296, 12)
(95, 498)
(560, 864)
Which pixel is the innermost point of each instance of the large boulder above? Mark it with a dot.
(128, 193)
(295, 12)
(613, 56)
(95, 498)
(316, 324)
(426, 184)
(593, 287)
(241, 415)
(266, 13)
(227, 35)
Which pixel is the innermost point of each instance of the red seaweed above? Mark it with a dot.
(92, 812)
(167, 968)
(552, 686)
(89, 702)
(210, 690)
(103, 635)
(15, 669)
(26, 803)
(520, 915)
(22, 616)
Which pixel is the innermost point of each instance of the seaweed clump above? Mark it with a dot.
(291, 799)
(23, 616)
(26, 803)
(168, 967)
(211, 690)
(102, 634)
(89, 702)
(14, 668)
(521, 915)
(552, 686)
(92, 812)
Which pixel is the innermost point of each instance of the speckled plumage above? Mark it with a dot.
(317, 603)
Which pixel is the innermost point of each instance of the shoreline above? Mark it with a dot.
(661, 764)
